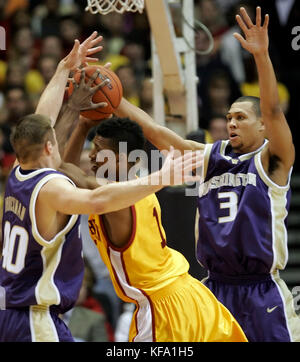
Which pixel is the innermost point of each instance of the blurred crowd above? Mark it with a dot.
(40, 33)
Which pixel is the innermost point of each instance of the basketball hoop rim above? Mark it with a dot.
(105, 7)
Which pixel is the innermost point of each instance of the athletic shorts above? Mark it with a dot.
(262, 305)
(32, 324)
(185, 311)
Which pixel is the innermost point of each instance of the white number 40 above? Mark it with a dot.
(231, 205)
(14, 252)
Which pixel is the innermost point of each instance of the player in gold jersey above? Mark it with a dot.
(171, 305)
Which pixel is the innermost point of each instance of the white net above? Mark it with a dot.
(120, 6)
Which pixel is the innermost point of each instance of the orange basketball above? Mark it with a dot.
(110, 93)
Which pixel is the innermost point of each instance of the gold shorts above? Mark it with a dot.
(187, 311)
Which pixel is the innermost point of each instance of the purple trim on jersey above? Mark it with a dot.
(20, 287)
(242, 246)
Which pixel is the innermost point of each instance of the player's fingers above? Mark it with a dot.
(107, 65)
(188, 164)
(73, 51)
(171, 152)
(89, 59)
(100, 85)
(82, 76)
(94, 50)
(192, 160)
(266, 22)
(96, 40)
(246, 18)
(99, 105)
(240, 39)
(94, 106)
(196, 164)
(258, 16)
(83, 65)
(90, 38)
(89, 42)
(241, 24)
(93, 77)
(72, 80)
(75, 47)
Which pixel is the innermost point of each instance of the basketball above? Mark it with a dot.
(110, 93)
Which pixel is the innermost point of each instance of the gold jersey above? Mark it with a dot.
(171, 305)
(145, 264)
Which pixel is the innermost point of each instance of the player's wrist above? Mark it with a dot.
(261, 55)
(73, 107)
(84, 126)
(63, 66)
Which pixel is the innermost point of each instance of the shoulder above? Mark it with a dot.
(56, 183)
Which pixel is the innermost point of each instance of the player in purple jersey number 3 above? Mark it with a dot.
(244, 199)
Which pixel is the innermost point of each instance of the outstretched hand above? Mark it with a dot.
(81, 53)
(178, 170)
(256, 39)
(81, 98)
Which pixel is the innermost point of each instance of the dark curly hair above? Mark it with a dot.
(122, 130)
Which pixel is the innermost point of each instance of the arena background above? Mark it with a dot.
(40, 33)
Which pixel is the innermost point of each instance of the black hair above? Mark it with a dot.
(122, 130)
(255, 103)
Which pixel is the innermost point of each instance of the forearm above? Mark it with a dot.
(52, 97)
(269, 98)
(117, 196)
(63, 126)
(160, 137)
(75, 144)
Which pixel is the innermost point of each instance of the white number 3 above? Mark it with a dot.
(231, 204)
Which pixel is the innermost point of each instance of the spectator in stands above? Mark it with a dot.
(217, 95)
(209, 68)
(129, 83)
(16, 106)
(87, 320)
(124, 321)
(217, 128)
(251, 87)
(52, 46)
(147, 96)
(23, 48)
(231, 52)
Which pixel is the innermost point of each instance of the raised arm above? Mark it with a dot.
(280, 145)
(80, 99)
(75, 143)
(160, 137)
(52, 97)
(72, 153)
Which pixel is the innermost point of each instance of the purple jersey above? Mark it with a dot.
(34, 271)
(241, 216)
